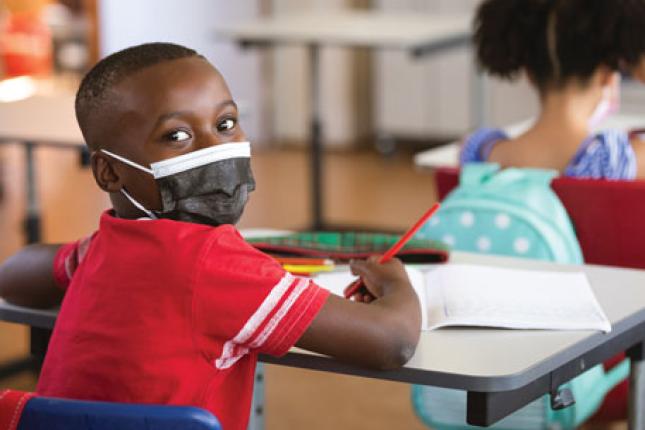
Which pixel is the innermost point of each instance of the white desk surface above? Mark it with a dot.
(41, 118)
(482, 359)
(476, 359)
(448, 155)
(354, 28)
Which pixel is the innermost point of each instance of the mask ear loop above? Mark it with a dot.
(128, 162)
(136, 204)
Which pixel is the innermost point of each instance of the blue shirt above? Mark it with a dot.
(607, 154)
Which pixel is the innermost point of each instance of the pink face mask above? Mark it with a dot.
(608, 104)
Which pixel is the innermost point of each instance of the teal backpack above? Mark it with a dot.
(514, 213)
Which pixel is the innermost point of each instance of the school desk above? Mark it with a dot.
(448, 155)
(420, 34)
(40, 120)
(502, 370)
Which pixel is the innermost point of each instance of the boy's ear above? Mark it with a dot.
(106, 177)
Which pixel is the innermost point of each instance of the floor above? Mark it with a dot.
(362, 188)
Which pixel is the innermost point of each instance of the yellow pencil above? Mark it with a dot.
(297, 268)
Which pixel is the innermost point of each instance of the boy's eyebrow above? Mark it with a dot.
(170, 115)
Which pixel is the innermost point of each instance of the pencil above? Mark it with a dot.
(305, 261)
(356, 285)
(296, 268)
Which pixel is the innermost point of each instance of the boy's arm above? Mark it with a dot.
(27, 278)
(381, 334)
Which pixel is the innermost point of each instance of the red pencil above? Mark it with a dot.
(356, 285)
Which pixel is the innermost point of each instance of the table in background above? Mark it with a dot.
(448, 155)
(502, 370)
(40, 120)
(420, 34)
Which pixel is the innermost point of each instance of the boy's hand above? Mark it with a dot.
(382, 335)
(378, 279)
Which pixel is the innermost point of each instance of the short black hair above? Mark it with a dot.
(94, 89)
(511, 36)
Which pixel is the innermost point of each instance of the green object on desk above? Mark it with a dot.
(342, 246)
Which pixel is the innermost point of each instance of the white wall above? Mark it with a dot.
(433, 97)
(192, 23)
(291, 85)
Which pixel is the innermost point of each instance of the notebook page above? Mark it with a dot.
(469, 295)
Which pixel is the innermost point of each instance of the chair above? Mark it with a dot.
(608, 219)
(45, 413)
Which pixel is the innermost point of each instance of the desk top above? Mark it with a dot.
(448, 155)
(353, 28)
(41, 119)
(476, 359)
(480, 359)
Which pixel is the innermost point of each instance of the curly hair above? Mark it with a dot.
(93, 93)
(555, 41)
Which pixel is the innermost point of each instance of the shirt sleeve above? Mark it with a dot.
(67, 259)
(605, 155)
(244, 301)
(478, 145)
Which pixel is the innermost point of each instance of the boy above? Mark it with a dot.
(166, 303)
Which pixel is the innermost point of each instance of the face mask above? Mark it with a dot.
(210, 186)
(608, 104)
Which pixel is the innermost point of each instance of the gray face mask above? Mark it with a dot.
(210, 186)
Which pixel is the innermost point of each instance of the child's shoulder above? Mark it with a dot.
(177, 237)
(477, 146)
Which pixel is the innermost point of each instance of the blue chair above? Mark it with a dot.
(45, 413)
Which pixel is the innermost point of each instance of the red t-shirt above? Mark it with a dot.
(171, 312)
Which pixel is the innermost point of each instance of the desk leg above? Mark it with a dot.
(316, 139)
(32, 232)
(637, 388)
(256, 420)
(32, 217)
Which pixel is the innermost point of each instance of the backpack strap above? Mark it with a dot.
(477, 173)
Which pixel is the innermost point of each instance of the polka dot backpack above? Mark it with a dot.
(512, 212)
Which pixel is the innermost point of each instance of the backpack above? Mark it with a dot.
(513, 212)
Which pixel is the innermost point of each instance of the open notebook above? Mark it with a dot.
(470, 295)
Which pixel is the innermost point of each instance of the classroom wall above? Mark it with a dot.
(386, 92)
(437, 96)
(342, 94)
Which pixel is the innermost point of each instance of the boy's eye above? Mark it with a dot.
(178, 136)
(227, 124)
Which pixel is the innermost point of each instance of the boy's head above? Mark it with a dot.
(150, 103)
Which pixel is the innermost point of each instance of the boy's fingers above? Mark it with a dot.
(357, 267)
(373, 258)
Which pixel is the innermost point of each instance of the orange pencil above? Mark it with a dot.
(305, 261)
